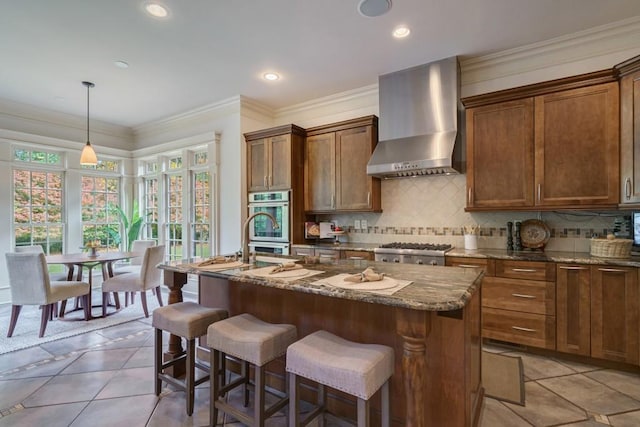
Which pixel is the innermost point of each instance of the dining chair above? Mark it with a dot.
(138, 246)
(30, 284)
(38, 250)
(149, 277)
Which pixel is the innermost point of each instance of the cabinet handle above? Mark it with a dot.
(523, 296)
(519, 328)
(469, 196)
(562, 267)
(627, 188)
(369, 198)
(612, 270)
(333, 200)
(303, 253)
(327, 256)
(467, 266)
(524, 270)
(539, 191)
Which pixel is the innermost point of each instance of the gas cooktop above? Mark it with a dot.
(414, 248)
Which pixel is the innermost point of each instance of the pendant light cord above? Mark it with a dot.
(89, 85)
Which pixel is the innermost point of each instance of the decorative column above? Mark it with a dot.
(414, 327)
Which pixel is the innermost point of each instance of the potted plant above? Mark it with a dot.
(131, 225)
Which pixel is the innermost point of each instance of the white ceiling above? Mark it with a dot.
(211, 50)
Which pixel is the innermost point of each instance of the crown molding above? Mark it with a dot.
(595, 42)
(334, 101)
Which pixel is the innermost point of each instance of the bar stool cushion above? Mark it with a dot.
(357, 369)
(251, 339)
(186, 319)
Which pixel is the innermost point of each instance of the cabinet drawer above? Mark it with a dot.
(536, 330)
(529, 270)
(366, 255)
(519, 295)
(327, 254)
(302, 251)
(488, 265)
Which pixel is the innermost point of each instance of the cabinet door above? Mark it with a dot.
(577, 147)
(353, 185)
(320, 172)
(614, 313)
(630, 138)
(573, 311)
(279, 177)
(500, 155)
(257, 165)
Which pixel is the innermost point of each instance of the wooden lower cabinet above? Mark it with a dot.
(536, 330)
(364, 255)
(573, 314)
(614, 313)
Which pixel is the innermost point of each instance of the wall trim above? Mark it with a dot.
(583, 45)
(331, 101)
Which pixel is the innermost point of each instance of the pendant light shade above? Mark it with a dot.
(88, 156)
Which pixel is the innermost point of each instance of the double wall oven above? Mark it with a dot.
(263, 237)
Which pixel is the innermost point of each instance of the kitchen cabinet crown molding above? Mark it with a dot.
(275, 131)
(542, 88)
(627, 67)
(346, 124)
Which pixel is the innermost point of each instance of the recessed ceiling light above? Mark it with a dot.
(121, 64)
(271, 76)
(401, 32)
(156, 9)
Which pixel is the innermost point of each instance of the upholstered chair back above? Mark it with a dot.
(31, 249)
(140, 246)
(28, 278)
(150, 275)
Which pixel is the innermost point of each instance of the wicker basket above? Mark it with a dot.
(617, 248)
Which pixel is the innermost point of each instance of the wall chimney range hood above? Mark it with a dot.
(420, 110)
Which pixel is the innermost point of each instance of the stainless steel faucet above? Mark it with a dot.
(245, 230)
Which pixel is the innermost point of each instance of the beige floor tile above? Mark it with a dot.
(50, 416)
(13, 392)
(495, 414)
(129, 382)
(544, 408)
(100, 360)
(577, 366)
(143, 357)
(629, 419)
(590, 395)
(70, 388)
(538, 367)
(125, 411)
(19, 358)
(623, 382)
(171, 410)
(43, 368)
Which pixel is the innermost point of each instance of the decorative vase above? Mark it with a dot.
(93, 252)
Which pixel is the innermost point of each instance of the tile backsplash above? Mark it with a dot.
(431, 209)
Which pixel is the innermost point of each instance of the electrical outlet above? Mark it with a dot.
(356, 224)
(363, 224)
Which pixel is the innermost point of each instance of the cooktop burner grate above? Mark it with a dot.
(417, 246)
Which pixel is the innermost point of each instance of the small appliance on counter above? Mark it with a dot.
(319, 230)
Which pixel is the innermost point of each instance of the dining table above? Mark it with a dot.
(86, 260)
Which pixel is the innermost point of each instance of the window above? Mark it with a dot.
(99, 220)
(150, 208)
(105, 166)
(174, 216)
(37, 205)
(200, 235)
(37, 156)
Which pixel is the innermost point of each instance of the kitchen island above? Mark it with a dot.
(433, 324)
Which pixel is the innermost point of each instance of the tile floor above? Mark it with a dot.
(105, 378)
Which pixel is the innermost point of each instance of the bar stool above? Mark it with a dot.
(187, 320)
(255, 342)
(357, 369)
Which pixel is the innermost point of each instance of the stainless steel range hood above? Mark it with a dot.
(420, 111)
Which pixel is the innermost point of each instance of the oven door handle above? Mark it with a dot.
(268, 205)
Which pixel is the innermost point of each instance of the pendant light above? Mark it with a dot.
(88, 156)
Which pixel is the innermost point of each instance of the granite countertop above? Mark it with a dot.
(433, 288)
(550, 256)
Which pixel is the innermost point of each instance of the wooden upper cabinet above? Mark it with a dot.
(577, 147)
(272, 157)
(500, 155)
(545, 146)
(630, 131)
(320, 172)
(336, 159)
